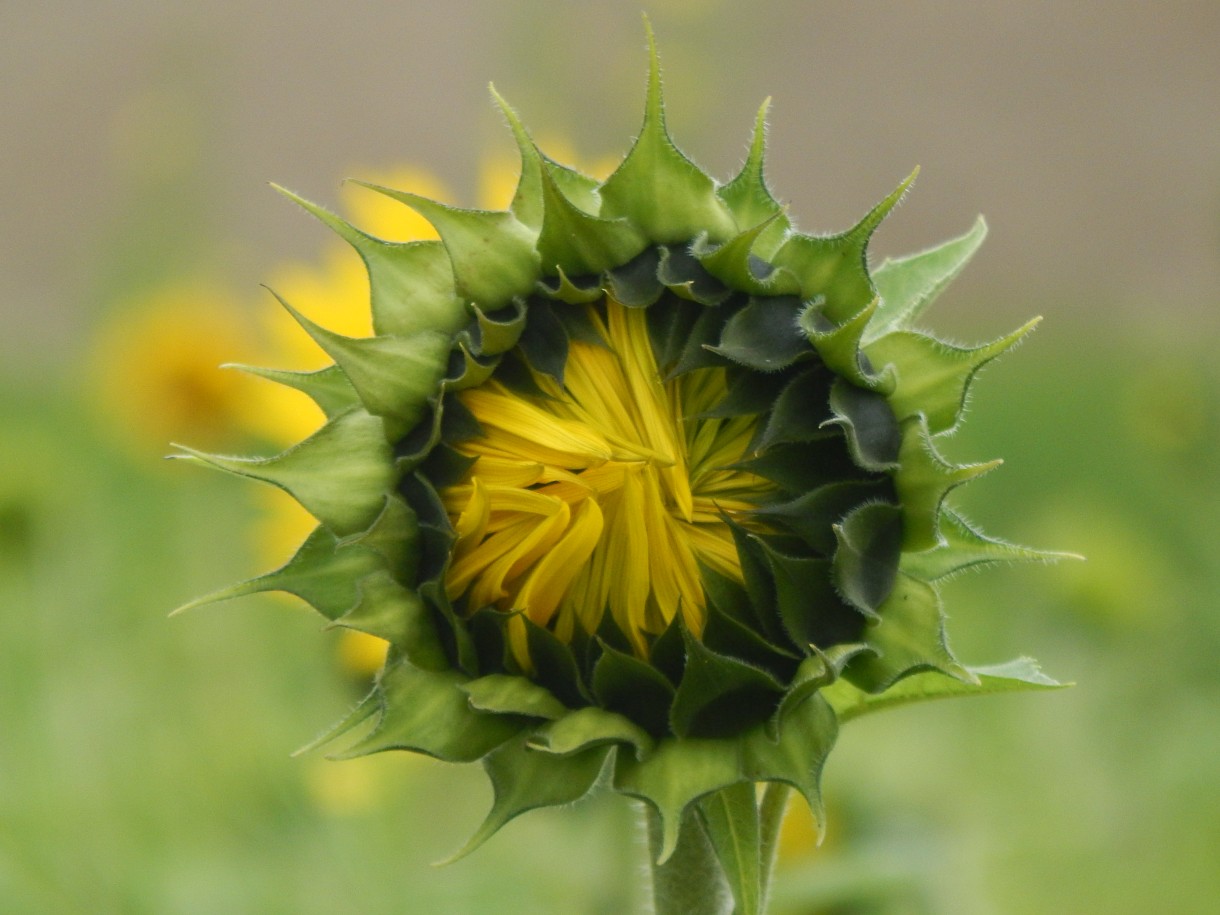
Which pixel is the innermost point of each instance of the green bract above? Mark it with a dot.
(831, 541)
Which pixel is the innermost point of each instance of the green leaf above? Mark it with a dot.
(796, 468)
(512, 695)
(932, 377)
(719, 693)
(544, 342)
(753, 394)
(873, 435)
(499, 329)
(657, 188)
(328, 573)
(635, 283)
(749, 198)
(866, 561)
(572, 292)
(411, 284)
(527, 203)
(581, 189)
(340, 474)
(730, 817)
(735, 263)
(813, 514)
(555, 665)
(680, 771)
(395, 535)
(677, 773)
(963, 547)
(806, 732)
(759, 581)
(799, 412)
(811, 609)
(704, 333)
(427, 712)
(365, 709)
(669, 330)
(1017, 675)
(327, 387)
(623, 683)
(908, 638)
(412, 290)
(923, 481)
(802, 591)
(727, 634)
(817, 671)
(322, 573)
(764, 335)
(839, 346)
(589, 727)
(394, 376)
(492, 254)
(908, 285)
(834, 267)
(572, 241)
(525, 779)
(681, 272)
(389, 611)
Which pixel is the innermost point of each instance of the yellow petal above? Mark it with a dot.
(553, 574)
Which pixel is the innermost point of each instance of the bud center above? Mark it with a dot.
(604, 495)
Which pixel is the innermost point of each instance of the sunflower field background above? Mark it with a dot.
(145, 762)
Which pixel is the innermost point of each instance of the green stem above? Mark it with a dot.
(690, 882)
(770, 819)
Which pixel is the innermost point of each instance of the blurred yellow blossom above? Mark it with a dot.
(155, 375)
(798, 835)
(360, 653)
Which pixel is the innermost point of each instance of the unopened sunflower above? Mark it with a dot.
(642, 486)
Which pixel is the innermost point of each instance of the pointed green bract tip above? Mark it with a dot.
(493, 254)
(340, 226)
(657, 187)
(527, 199)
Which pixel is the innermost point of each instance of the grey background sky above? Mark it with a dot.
(1088, 133)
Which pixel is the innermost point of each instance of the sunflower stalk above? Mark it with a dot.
(771, 810)
(725, 853)
(691, 880)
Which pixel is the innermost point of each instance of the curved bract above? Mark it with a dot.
(639, 483)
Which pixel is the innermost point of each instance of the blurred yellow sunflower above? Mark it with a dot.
(153, 373)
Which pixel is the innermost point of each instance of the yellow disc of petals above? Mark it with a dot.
(604, 495)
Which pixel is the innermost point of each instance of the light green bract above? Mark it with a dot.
(817, 558)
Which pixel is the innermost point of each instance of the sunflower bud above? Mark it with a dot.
(639, 483)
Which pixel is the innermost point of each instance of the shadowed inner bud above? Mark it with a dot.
(604, 495)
